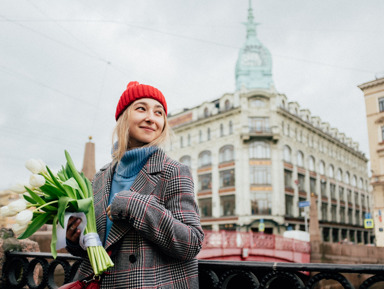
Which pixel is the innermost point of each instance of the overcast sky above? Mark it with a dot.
(64, 64)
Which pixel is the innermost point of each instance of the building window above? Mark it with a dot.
(354, 179)
(301, 182)
(324, 211)
(261, 203)
(200, 136)
(333, 213)
(331, 171)
(206, 112)
(287, 154)
(181, 142)
(205, 207)
(356, 198)
(381, 104)
(204, 159)
(357, 217)
(341, 194)
(205, 182)
(300, 159)
(346, 178)
(342, 215)
(227, 178)
(350, 219)
(189, 139)
(260, 175)
(259, 150)
(256, 102)
(349, 196)
(287, 179)
(208, 134)
(258, 124)
(227, 105)
(312, 185)
(221, 129)
(311, 163)
(289, 205)
(230, 127)
(227, 205)
(226, 154)
(332, 188)
(186, 160)
(323, 188)
(339, 175)
(322, 168)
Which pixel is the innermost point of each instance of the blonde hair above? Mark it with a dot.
(121, 132)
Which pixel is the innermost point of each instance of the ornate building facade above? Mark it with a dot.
(255, 156)
(374, 104)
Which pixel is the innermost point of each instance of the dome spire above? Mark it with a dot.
(254, 64)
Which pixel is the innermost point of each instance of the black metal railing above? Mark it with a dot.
(20, 271)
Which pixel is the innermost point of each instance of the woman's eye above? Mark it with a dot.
(159, 112)
(140, 108)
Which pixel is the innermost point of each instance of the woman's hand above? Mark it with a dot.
(73, 233)
(109, 212)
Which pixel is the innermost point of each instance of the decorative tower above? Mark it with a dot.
(254, 64)
(89, 168)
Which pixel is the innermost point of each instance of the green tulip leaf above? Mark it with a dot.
(36, 224)
(34, 196)
(63, 202)
(84, 205)
(54, 237)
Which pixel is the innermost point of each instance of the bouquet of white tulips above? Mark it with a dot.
(51, 196)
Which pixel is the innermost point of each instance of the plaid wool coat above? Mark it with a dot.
(156, 231)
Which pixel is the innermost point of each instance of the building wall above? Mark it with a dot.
(374, 95)
(278, 125)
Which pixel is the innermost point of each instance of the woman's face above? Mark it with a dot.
(146, 122)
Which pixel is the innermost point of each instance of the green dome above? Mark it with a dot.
(254, 64)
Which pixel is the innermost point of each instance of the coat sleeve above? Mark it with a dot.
(175, 226)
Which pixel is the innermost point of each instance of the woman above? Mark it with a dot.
(146, 213)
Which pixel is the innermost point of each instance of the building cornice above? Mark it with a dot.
(372, 83)
(319, 131)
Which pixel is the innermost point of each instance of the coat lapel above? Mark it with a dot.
(145, 183)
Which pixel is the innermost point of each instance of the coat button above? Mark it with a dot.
(132, 258)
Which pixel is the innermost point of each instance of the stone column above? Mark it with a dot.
(314, 231)
(89, 168)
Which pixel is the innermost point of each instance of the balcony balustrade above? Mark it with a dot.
(21, 269)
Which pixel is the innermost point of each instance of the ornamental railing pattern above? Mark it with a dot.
(20, 270)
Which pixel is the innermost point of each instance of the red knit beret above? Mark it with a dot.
(136, 91)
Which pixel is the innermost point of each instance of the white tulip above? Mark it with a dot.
(4, 211)
(24, 217)
(36, 181)
(35, 166)
(18, 229)
(43, 165)
(18, 188)
(17, 206)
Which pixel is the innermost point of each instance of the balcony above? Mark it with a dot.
(38, 270)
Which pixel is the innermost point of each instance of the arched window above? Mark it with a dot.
(300, 159)
(331, 171)
(256, 102)
(311, 163)
(186, 160)
(206, 112)
(347, 178)
(360, 186)
(354, 181)
(322, 168)
(230, 127)
(226, 154)
(204, 159)
(259, 150)
(287, 154)
(339, 175)
(227, 105)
